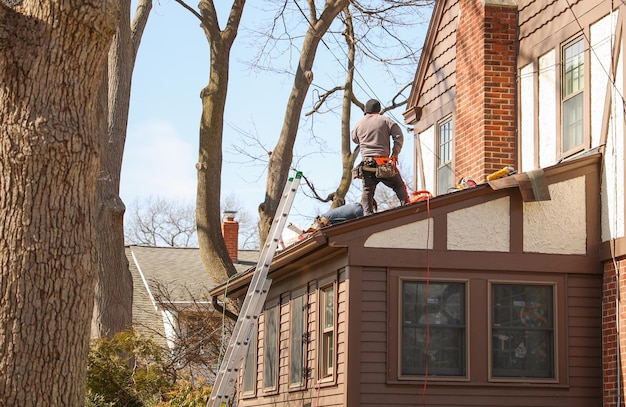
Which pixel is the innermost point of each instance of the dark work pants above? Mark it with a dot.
(369, 188)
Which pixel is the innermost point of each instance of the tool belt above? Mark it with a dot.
(383, 167)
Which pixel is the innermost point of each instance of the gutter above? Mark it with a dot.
(284, 258)
(222, 309)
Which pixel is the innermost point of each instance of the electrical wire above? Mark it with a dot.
(592, 50)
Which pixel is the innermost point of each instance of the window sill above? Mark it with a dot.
(449, 382)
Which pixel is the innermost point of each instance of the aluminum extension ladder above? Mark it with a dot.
(228, 372)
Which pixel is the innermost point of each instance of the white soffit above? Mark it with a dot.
(558, 226)
(483, 227)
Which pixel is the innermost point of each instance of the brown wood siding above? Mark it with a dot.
(437, 92)
(577, 330)
(584, 312)
(373, 334)
(545, 24)
(314, 392)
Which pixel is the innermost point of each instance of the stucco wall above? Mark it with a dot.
(416, 235)
(557, 226)
(483, 227)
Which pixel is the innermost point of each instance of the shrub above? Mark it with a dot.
(127, 370)
(186, 394)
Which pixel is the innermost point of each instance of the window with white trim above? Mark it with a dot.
(327, 346)
(573, 86)
(445, 140)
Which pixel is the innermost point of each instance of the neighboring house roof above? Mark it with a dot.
(179, 271)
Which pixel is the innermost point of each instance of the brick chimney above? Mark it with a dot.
(486, 88)
(230, 231)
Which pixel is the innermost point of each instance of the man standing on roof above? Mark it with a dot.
(372, 134)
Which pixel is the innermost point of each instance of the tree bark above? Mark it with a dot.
(210, 240)
(282, 155)
(347, 155)
(52, 56)
(114, 285)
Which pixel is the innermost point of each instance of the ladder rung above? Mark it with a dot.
(225, 381)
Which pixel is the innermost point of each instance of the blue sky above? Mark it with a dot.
(171, 69)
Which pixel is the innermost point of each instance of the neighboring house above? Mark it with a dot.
(499, 295)
(171, 286)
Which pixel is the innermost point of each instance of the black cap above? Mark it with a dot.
(372, 106)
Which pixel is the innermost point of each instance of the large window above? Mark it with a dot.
(327, 331)
(445, 141)
(522, 331)
(573, 85)
(433, 328)
(270, 349)
(297, 341)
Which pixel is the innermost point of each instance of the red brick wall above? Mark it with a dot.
(610, 348)
(230, 231)
(485, 96)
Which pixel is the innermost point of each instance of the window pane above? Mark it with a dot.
(329, 308)
(433, 328)
(444, 179)
(327, 349)
(297, 343)
(444, 160)
(249, 377)
(523, 331)
(573, 86)
(445, 142)
(270, 347)
(573, 122)
(573, 68)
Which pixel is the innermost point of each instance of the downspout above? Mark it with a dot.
(222, 310)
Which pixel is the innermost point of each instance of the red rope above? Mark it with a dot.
(426, 301)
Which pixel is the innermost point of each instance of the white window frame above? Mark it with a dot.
(573, 95)
(445, 154)
(327, 339)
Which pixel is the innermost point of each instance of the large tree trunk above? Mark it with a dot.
(280, 160)
(51, 62)
(114, 285)
(210, 240)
